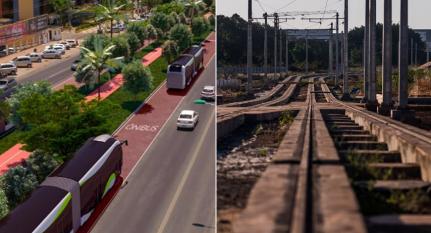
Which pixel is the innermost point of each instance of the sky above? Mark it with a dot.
(419, 10)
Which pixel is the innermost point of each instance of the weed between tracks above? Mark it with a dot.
(242, 157)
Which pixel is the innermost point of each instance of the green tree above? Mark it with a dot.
(62, 7)
(181, 34)
(160, 21)
(41, 164)
(167, 8)
(18, 183)
(99, 59)
(4, 110)
(139, 29)
(174, 18)
(109, 10)
(133, 42)
(182, 17)
(89, 41)
(199, 26)
(151, 3)
(151, 32)
(25, 91)
(137, 77)
(193, 8)
(170, 50)
(4, 204)
(122, 47)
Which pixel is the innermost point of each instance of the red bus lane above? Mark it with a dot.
(142, 128)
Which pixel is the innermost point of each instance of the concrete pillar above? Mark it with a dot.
(401, 112)
(386, 106)
(281, 50)
(265, 47)
(287, 53)
(249, 48)
(331, 56)
(275, 43)
(337, 52)
(372, 102)
(306, 54)
(366, 50)
(346, 91)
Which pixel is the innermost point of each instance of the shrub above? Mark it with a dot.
(199, 26)
(137, 77)
(167, 8)
(181, 34)
(182, 17)
(18, 183)
(133, 42)
(4, 204)
(41, 164)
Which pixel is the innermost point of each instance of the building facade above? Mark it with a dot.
(17, 10)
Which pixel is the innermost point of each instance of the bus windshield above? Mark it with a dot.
(175, 68)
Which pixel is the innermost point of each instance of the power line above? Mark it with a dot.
(260, 5)
(288, 4)
(324, 12)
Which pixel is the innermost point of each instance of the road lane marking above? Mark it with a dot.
(184, 178)
(144, 127)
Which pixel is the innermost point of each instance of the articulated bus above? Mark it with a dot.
(68, 196)
(181, 72)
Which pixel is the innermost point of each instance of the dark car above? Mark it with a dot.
(74, 65)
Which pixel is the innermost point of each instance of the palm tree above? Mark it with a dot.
(193, 8)
(109, 10)
(99, 59)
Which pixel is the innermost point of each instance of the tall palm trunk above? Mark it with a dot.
(111, 27)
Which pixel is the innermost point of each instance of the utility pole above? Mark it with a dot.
(416, 54)
(337, 52)
(249, 47)
(265, 47)
(386, 106)
(411, 52)
(281, 50)
(331, 56)
(287, 53)
(306, 53)
(366, 50)
(346, 92)
(275, 43)
(372, 101)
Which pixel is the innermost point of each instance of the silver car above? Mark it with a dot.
(7, 84)
(51, 53)
(7, 69)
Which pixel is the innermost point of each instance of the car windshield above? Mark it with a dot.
(208, 90)
(3, 82)
(185, 116)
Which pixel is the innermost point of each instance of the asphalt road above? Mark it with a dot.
(172, 189)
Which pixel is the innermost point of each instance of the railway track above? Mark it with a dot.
(342, 175)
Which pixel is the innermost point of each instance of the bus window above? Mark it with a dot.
(175, 68)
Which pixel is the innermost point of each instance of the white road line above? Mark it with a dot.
(183, 180)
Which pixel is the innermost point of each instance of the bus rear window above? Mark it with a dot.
(175, 68)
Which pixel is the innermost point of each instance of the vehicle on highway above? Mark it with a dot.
(74, 65)
(7, 84)
(115, 29)
(72, 42)
(35, 57)
(23, 61)
(51, 53)
(208, 92)
(60, 47)
(68, 196)
(181, 71)
(7, 69)
(187, 119)
(66, 44)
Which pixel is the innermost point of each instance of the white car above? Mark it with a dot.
(60, 47)
(208, 93)
(51, 53)
(72, 42)
(35, 57)
(187, 119)
(7, 69)
(23, 61)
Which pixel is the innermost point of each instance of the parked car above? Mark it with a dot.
(74, 65)
(7, 84)
(7, 69)
(66, 44)
(187, 119)
(208, 92)
(11, 50)
(115, 29)
(35, 57)
(3, 53)
(23, 61)
(72, 42)
(61, 49)
(51, 53)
